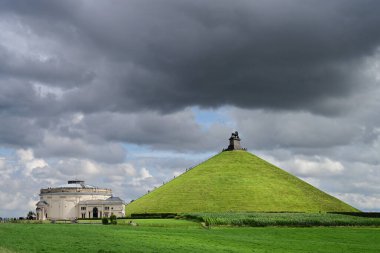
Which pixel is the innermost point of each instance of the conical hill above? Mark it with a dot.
(236, 181)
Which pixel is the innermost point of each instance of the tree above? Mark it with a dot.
(105, 221)
(31, 215)
(113, 219)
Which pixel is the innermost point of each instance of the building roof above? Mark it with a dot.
(76, 184)
(109, 201)
(42, 203)
(112, 198)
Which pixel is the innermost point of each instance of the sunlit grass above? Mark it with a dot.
(170, 238)
(236, 181)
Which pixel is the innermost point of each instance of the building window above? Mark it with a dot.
(83, 215)
(83, 208)
(95, 212)
(107, 208)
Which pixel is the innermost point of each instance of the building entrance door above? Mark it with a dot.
(95, 212)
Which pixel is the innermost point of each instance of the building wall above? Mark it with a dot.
(104, 210)
(65, 205)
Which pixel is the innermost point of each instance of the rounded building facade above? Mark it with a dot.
(77, 200)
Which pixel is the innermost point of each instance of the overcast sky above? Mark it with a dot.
(128, 94)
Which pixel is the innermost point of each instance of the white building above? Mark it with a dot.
(78, 200)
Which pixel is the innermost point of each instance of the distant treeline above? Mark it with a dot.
(153, 215)
(360, 214)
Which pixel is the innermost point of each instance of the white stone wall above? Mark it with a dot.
(65, 206)
(104, 210)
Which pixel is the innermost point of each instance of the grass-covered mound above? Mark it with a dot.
(236, 181)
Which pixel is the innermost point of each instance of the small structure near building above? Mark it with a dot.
(234, 142)
(78, 200)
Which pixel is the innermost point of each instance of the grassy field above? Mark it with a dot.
(282, 219)
(183, 236)
(236, 181)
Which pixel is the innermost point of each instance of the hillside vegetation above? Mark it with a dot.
(236, 181)
(282, 219)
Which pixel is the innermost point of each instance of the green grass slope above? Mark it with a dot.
(236, 181)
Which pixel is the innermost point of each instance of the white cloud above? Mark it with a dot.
(2, 163)
(28, 160)
(77, 118)
(90, 167)
(12, 200)
(313, 181)
(144, 176)
(145, 173)
(13, 36)
(25, 154)
(319, 166)
(45, 90)
(128, 169)
(177, 173)
(79, 167)
(361, 201)
(314, 166)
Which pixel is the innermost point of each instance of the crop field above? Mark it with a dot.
(173, 235)
(282, 219)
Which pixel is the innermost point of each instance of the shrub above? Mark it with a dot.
(153, 215)
(113, 219)
(105, 221)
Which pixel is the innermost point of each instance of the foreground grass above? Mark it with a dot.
(282, 219)
(186, 237)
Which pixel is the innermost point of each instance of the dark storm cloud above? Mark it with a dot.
(55, 71)
(295, 130)
(121, 64)
(178, 131)
(166, 55)
(16, 131)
